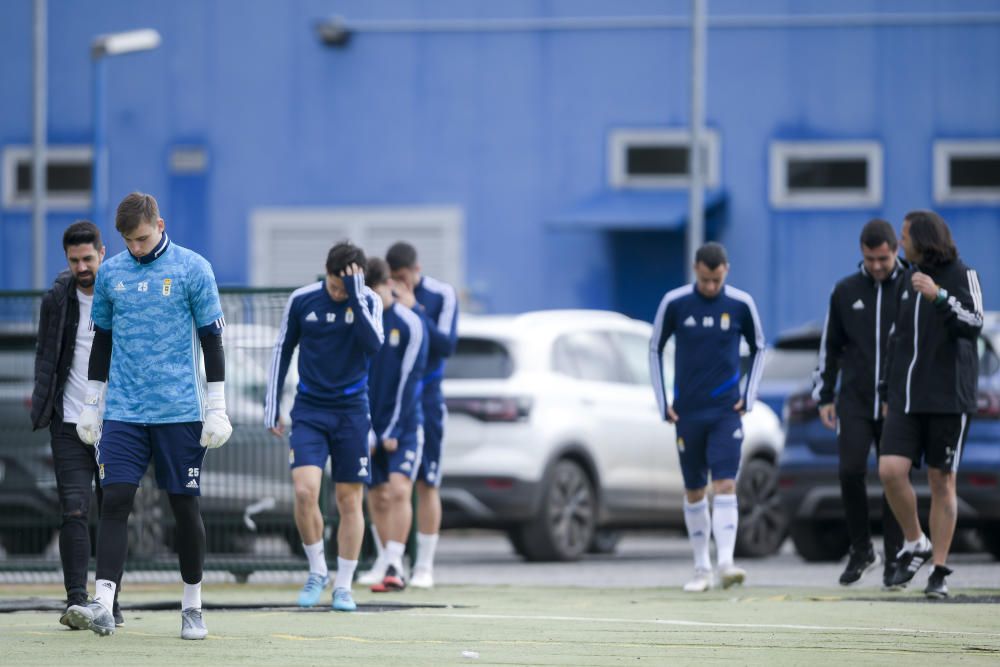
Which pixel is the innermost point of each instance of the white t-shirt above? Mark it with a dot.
(76, 383)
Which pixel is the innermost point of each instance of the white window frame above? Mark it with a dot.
(782, 151)
(944, 150)
(13, 154)
(355, 219)
(619, 141)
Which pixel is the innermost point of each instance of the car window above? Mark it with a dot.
(785, 364)
(479, 359)
(635, 354)
(588, 355)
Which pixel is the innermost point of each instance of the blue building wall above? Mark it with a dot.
(512, 126)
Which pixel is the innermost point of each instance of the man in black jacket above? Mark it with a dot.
(862, 309)
(61, 358)
(931, 384)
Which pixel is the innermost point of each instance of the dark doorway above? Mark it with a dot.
(645, 265)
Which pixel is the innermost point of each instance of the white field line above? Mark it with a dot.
(712, 624)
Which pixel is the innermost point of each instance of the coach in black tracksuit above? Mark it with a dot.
(931, 382)
(861, 312)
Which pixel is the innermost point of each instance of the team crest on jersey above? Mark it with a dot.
(394, 338)
(680, 444)
(291, 457)
(166, 286)
(724, 322)
(100, 470)
(708, 321)
(349, 316)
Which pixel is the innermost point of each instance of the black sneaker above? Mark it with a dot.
(78, 599)
(908, 562)
(888, 574)
(116, 611)
(937, 588)
(859, 563)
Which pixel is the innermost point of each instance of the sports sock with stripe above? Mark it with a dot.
(725, 518)
(317, 558)
(345, 573)
(698, 523)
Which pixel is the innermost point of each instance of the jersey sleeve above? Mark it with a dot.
(663, 329)
(102, 309)
(410, 372)
(370, 318)
(963, 308)
(831, 347)
(444, 332)
(288, 338)
(753, 333)
(203, 295)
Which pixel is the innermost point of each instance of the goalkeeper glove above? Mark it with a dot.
(216, 429)
(88, 428)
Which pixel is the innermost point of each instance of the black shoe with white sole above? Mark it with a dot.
(908, 562)
(937, 587)
(859, 563)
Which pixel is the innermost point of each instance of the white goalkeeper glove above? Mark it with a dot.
(88, 426)
(216, 429)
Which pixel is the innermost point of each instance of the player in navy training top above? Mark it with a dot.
(437, 304)
(397, 421)
(153, 304)
(707, 320)
(337, 325)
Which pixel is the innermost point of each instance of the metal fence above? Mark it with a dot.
(246, 488)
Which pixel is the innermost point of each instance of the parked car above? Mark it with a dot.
(554, 436)
(789, 365)
(810, 486)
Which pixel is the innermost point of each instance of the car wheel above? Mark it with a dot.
(990, 535)
(763, 520)
(819, 541)
(564, 527)
(604, 541)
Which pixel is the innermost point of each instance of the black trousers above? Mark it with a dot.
(855, 438)
(76, 481)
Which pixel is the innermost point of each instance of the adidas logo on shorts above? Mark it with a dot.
(193, 484)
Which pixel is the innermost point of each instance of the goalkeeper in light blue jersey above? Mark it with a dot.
(155, 305)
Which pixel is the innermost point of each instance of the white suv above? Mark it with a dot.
(553, 435)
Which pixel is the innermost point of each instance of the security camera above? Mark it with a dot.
(333, 32)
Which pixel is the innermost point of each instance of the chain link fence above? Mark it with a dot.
(246, 491)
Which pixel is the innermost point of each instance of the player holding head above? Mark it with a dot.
(436, 303)
(153, 303)
(931, 388)
(337, 325)
(397, 422)
(708, 319)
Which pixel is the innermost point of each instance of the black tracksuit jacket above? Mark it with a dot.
(855, 335)
(933, 363)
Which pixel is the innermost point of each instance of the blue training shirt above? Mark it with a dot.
(336, 340)
(437, 304)
(707, 351)
(396, 374)
(154, 308)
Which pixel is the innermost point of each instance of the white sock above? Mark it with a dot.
(725, 519)
(426, 545)
(105, 593)
(345, 573)
(192, 596)
(379, 548)
(919, 543)
(317, 558)
(394, 555)
(699, 529)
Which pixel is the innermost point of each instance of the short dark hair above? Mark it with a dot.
(876, 232)
(712, 254)
(401, 255)
(342, 255)
(136, 209)
(931, 238)
(82, 232)
(376, 272)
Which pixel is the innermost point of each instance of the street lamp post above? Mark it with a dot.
(103, 46)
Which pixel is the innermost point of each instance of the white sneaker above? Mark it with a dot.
(702, 582)
(374, 575)
(422, 578)
(732, 576)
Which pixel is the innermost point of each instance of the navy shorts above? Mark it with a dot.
(343, 438)
(405, 460)
(435, 415)
(124, 451)
(705, 446)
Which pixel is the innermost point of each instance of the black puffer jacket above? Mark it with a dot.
(933, 364)
(59, 317)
